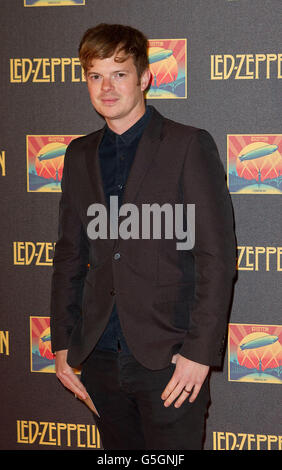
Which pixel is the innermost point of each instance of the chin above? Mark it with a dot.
(111, 112)
(108, 115)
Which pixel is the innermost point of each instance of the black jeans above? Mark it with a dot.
(127, 396)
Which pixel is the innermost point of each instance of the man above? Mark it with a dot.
(145, 319)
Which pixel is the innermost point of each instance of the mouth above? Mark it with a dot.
(109, 101)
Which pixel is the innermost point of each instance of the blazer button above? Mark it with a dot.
(113, 292)
(117, 256)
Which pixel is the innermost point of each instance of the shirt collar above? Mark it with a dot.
(134, 131)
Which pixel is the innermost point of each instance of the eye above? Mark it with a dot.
(94, 76)
(119, 75)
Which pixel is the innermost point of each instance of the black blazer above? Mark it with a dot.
(168, 300)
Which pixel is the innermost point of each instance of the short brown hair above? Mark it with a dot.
(103, 40)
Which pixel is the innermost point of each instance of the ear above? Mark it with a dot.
(145, 79)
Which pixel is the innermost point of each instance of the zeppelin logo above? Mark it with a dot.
(3, 162)
(259, 258)
(58, 434)
(39, 254)
(46, 70)
(244, 441)
(245, 66)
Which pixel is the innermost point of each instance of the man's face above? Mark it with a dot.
(115, 90)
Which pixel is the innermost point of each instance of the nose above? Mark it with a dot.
(106, 84)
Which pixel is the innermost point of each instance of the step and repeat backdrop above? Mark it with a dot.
(216, 64)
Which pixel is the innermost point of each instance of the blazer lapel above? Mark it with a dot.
(94, 175)
(93, 167)
(146, 152)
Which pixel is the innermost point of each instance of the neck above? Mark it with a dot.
(122, 124)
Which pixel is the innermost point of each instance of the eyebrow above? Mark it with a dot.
(114, 71)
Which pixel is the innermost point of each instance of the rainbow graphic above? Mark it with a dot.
(255, 353)
(254, 163)
(52, 3)
(41, 357)
(45, 161)
(168, 65)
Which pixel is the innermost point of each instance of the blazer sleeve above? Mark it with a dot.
(204, 184)
(70, 264)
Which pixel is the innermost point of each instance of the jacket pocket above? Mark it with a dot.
(178, 312)
(174, 292)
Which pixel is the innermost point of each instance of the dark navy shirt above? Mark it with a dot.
(116, 155)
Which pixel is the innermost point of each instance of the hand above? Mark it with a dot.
(188, 375)
(67, 376)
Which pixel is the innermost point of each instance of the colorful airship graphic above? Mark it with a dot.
(254, 163)
(255, 353)
(167, 61)
(156, 56)
(55, 153)
(259, 342)
(45, 161)
(258, 153)
(42, 358)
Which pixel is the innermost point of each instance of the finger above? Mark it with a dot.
(184, 395)
(77, 382)
(70, 381)
(195, 393)
(82, 393)
(76, 389)
(169, 388)
(174, 394)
